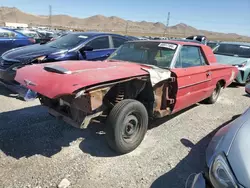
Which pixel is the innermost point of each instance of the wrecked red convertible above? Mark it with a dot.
(141, 79)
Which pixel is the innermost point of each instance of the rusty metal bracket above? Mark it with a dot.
(88, 119)
(171, 101)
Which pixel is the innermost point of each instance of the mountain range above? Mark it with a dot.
(113, 23)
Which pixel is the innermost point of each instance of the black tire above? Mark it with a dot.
(215, 95)
(126, 125)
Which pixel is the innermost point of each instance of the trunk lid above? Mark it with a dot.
(62, 78)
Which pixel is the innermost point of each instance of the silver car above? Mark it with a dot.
(228, 157)
(247, 87)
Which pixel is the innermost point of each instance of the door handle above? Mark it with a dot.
(209, 73)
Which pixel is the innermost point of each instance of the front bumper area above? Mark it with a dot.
(7, 79)
(199, 181)
(87, 120)
(7, 75)
(242, 75)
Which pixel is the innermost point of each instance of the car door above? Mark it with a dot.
(6, 40)
(193, 77)
(101, 48)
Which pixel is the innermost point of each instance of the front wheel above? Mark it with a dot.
(126, 125)
(215, 95)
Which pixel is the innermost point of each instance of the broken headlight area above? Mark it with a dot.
(40, 59)
(79, 111)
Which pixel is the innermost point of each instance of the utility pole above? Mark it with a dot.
(166, 27)
(126, 28)
(50, 16)
(168, 23)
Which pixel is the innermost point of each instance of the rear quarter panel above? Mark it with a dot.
(224, 73)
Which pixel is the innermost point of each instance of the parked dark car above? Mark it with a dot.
(45, 36)
(38, 37)
(12, 39)
(228, 157)
(213, 44)
(200, 38)
(74, 46)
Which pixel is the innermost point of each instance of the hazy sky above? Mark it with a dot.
(230, 16)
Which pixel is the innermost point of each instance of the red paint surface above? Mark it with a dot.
(54, 84)
(195, 84)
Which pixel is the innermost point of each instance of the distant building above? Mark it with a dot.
(15, 25)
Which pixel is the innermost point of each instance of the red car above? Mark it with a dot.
(139, 80)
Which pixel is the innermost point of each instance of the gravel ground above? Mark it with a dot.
(38, 151)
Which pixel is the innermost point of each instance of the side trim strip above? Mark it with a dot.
(182, 87)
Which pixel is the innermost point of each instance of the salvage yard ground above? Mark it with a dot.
(38, 151)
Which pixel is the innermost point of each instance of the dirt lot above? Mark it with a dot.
(38, 151)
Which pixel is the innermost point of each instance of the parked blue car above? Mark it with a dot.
(73, 46)
(12, 39)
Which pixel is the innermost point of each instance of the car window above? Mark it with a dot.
(190, 56)
(7, 34)
(69, 41)
(151, 53)
(164, 57)
(118, 41)
(99, 43)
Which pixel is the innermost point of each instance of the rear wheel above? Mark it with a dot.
(127, 125)
(215, 95)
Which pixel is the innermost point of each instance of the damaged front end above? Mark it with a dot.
(86, 105)
(157, 94)
(79, 109)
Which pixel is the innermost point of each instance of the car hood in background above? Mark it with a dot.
(230, 60)
(29, 52)
(74, 75)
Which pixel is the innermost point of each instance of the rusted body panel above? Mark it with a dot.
(81, 75)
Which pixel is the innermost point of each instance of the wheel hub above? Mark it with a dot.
(131, 126)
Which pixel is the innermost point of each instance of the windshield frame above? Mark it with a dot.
(151, 65)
